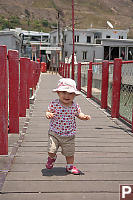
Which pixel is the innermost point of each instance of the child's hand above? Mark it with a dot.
(87, 117)
(49, 115)
(82, 116)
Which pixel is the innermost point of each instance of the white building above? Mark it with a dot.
(32, 41)
(94, 44)
(10, 39)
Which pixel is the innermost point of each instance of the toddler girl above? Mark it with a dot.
(62, 113)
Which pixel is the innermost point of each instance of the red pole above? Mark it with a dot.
(132, 120)
(73, 39)
(89, 84)
(34, 75)
(31, 76)
(28, 83)
(79, 77)
(116, 86)
(105, 77)
(68, 70)
(3, 102)
(61, 69)
(23, 88)
(65, 70)
(13, 60)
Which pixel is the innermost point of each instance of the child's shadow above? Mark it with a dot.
(56, 171)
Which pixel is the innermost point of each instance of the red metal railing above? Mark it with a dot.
(3, 101)
(110, 83)
(23, 77)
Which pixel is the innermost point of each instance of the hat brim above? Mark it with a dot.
(67, 90)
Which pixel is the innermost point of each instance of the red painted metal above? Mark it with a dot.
(116, 88)
(13, 60)
(132, 120)
(79, 77)
(65, 70)
(34, 75)
(68, 70)
(104, 90)
(73, 39)
(31, 76)
(89, 84)
(28, 84)
(61, 68)
(43, 67)
(23, 87)
(3, 102)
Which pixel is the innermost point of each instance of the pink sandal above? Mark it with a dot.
(73, 170)
(50, 162)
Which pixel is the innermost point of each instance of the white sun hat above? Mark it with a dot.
(67, 85)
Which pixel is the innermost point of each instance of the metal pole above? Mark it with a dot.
(13, 61)
(116, 88)
(73, 39)
(3, 102)
(104, 90)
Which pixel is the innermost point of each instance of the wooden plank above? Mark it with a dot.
(60, 196)
(60, 174)
(63, 186)
(83, 167)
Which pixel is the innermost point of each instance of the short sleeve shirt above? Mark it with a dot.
(63, 123)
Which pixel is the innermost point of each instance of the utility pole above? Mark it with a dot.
(58, 53)
(73, 39)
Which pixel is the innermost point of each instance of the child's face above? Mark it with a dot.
(66, 98)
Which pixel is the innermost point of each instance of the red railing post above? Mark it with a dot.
(31, 76)
(23, 88)
(104, 90)
(28, 84)
(65, 70)
(68, 70)
(13, 60)
(3, 102)
(89, 84)
(79, 77)
(132, 120)
(116, 86)
(61, 69)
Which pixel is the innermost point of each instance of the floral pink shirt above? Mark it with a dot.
(63, 123)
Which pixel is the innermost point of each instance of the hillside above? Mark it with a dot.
(42, 14)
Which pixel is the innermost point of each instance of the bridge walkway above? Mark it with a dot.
(104, 154)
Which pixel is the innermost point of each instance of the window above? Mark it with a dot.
(88, 39)
(54, 39)
(97, 35)
(45, 39)
(84, 55)
(66, 53)
(76, 38)
(65, 38)
(35, 38)
(123, 53)
(120, 36)
(130, 53)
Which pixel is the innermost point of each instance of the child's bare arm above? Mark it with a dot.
(82, 116)
(49, 115)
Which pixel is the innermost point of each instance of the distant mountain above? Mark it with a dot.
(42, 14)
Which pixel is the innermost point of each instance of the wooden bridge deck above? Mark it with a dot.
(104, 154)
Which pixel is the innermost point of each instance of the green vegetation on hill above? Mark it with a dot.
(42, 14)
